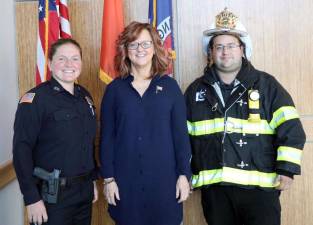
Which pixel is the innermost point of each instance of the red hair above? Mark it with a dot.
(131, 33)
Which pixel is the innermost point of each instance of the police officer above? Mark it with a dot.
(55, 128)
(245, 132)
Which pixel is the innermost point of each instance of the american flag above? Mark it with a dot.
(53, 24)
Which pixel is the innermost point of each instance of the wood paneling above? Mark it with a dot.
(307, 122)
(193, 214)
(26, 38)
(136, 10)
(282, 45)
(7, 173)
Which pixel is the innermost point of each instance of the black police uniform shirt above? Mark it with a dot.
(53, 129)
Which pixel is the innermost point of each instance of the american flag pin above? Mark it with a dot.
(158, 89)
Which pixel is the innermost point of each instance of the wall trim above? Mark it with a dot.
(7, 173)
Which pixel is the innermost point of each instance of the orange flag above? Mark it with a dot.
(112, 26)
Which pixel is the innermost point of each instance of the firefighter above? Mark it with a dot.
(245, 132)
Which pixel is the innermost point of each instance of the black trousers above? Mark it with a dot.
(74, 205)
(230, 205)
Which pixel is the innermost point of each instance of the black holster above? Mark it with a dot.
(49, 184)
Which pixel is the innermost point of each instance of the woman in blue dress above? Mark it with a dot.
(144, 149)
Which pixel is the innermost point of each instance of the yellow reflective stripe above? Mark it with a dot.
(283, 114)
(289, 154)
(233, 125)
(235, 176)
(244, 126)
(206, 126)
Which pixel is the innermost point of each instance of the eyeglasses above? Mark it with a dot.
(135, 45)
(230, 47)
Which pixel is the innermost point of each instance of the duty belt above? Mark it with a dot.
(68, 181)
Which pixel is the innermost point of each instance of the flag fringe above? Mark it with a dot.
(106, 78)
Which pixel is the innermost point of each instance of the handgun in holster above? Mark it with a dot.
(49, 184)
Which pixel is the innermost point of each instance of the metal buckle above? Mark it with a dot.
(214, 107)
(229, 124)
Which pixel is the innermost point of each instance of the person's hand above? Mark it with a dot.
(111, 191)
(95, 192)
(284, 182)
(37, 213)
(182, 188)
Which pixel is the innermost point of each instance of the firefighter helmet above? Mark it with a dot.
(227, 23)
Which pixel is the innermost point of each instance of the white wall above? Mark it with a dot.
(8, 78)
(11, 207)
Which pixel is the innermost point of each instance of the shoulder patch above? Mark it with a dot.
(27, 98)
(200, 95)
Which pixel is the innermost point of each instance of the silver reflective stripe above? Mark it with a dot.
(232, 125)
(282, 115)
(289, 154)
(205, 127)
(235, 176)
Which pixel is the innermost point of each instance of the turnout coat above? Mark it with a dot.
(249, 139)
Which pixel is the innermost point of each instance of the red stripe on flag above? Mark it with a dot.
(64, 11)
(65, 35)
(38, 79)
(65, 30)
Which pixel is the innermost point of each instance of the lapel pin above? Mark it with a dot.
(158, 89)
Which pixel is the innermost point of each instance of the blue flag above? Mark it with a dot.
(160, 16)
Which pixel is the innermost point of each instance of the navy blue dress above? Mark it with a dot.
(145, 147)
